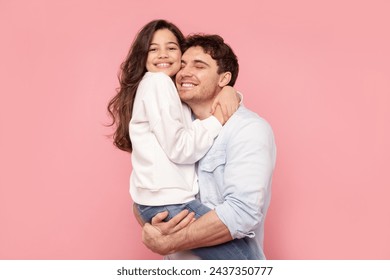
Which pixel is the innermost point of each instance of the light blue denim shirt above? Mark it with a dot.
(235, 177)
(236, 173)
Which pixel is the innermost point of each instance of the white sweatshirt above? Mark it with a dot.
(166, 144)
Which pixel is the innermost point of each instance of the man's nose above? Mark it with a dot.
(185, 72)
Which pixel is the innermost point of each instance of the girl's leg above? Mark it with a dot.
(237, 249)
(148, 212)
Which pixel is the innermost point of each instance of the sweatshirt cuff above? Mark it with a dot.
(212, 125)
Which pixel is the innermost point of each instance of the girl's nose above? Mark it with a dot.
(162, 54)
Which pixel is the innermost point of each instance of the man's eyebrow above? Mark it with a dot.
(200, 61)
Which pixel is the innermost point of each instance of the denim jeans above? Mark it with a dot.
(237, 249)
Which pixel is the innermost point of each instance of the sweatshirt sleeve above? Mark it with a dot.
(164, 110)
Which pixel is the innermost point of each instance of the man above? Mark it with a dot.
(235, 174)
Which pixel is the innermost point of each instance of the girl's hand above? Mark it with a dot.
(219, 115)
(229, 100)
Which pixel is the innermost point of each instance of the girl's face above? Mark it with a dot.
(164, 53)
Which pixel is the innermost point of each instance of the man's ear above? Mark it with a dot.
(224, 79)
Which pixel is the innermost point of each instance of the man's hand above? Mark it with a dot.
(208, 230)
(155, 240)
(157, 236)
(175, 224)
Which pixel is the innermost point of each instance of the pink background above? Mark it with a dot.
(318, 71)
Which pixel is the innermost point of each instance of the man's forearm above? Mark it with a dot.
(208, 230)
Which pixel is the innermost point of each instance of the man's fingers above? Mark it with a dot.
(176, 219)
(175, 224)
(185, 221)
(159, 217)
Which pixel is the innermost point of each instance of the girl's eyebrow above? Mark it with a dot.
(166, 43)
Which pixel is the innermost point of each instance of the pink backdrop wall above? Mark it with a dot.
(318, 71)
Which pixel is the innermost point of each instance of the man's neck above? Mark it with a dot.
(201, 110)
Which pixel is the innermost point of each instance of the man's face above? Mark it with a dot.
(197, 80)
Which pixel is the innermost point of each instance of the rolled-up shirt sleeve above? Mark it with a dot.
(250, 160)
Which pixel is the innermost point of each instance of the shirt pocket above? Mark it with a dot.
(213, 159)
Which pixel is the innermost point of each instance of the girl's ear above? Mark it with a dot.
(224, 79)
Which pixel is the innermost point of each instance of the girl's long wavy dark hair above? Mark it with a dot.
(120, 107)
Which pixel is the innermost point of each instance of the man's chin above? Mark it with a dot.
(185, 95)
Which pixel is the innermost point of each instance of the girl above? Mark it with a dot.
(153, 124)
